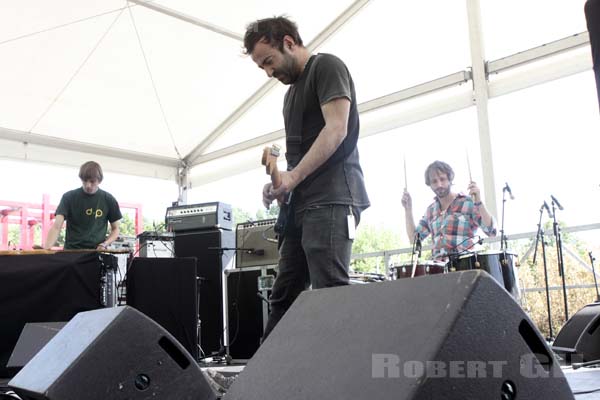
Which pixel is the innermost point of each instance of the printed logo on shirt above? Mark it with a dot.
(97, 214)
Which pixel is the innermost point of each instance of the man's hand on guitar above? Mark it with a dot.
(267, 196)
(289, 182)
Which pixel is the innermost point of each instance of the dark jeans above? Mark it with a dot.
(315, 251)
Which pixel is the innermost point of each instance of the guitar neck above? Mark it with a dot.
(275, 177)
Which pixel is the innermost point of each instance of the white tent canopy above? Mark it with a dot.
(162, 89)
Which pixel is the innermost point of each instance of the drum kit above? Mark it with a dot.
(501, 265)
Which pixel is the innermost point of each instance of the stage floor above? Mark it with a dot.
(584, 382)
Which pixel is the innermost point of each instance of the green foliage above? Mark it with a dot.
(371, 239)
(241, 215)
(127, 227)
(272, 212)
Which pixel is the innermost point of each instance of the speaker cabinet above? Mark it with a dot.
(213, 250)
(166, 290)
(448, 336)
(247, 310)
(33, 338)
(116, 353)
(580, 337)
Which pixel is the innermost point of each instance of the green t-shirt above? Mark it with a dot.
(87, 217)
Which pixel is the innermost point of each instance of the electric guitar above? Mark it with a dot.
(269, 160)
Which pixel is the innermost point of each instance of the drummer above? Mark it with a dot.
(453, 218)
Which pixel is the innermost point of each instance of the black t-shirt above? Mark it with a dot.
(87, 217)
(340, 179)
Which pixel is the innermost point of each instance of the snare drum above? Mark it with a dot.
(424, 268)
(499, 264)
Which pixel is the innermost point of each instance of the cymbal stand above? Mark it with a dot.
(540, 238)
(592, 259)
(503, 239)
(560, 259)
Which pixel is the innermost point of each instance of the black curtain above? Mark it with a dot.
(44, 288)
(165, 289)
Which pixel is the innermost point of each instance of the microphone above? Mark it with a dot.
(557, 203)
(548, 209)
(418, 244)
(507, 188)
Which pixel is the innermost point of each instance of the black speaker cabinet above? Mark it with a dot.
(448, 336)
(247, 310)
(592, 16)
(579, 338)
(114, 353)
(210, 249)
(166, 290)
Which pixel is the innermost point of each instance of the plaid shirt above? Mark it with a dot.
(453, 230)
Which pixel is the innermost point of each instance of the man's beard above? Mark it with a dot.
(289, 72)
(442, 192)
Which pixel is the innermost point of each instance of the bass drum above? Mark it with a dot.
(424, 268)
(501, 265)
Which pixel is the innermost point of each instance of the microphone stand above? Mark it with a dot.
(561, 265)
(503, 244)
(416, 251)
(592, 259)
(540, 238)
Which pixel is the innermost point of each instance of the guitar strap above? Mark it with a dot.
(293, 145)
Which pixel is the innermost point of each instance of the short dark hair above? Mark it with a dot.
(441, 167)
(90, 170)
(271, 30)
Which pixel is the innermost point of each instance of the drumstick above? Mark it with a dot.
(405, 179)
(469, 166)
(470, 176)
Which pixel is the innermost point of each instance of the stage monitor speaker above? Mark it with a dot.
(166, 290)
(592, 16)
(214, 250)
(449, 336)
(114, 353)
(579, 338)
(33, 338)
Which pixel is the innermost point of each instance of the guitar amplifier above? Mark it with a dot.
(195, 217)
(256, 242)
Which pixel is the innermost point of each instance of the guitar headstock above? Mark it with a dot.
(269, 158)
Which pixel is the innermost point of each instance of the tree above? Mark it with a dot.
(371, 239)
(240, 215)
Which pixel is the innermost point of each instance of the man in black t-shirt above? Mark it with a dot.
(88, 210)
(323, 176)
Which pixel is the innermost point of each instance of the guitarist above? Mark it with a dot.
(323, 176)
